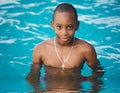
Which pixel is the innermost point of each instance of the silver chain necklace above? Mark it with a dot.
(63, 62)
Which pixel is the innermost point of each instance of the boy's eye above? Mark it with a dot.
(70, 27)
(59, 27)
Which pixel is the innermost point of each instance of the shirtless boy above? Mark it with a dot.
(64, 52)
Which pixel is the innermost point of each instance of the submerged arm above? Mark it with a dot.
(94, 64)
(97, 71)
(34, 75)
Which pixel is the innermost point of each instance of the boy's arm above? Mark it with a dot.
(97, 71)
(94, 64)
(34, 75)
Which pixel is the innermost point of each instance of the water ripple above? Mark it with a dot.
(27, 39)
(17, 14)
(104, 53)
(9, 41)
(82, 7)
(15, 62)
(108, 47)
(24, 57)
(18, 5)
(107, 21)
(27, 6)
(11, 21)
(3, 2)
(107, 2)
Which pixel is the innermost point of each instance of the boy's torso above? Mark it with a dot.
(50, 58)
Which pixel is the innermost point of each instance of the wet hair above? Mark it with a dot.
(65, 7)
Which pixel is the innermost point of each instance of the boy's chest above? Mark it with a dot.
(51, 58)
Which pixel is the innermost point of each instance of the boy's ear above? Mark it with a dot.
(52, 24)
(77, 25)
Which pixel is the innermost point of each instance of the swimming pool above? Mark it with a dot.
(23, 24)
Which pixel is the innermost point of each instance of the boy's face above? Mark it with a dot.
(65, 25)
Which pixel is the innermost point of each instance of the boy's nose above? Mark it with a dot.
(64, 32)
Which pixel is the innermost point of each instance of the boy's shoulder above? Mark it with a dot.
(84, 45)
(44, 43)
(82, 42)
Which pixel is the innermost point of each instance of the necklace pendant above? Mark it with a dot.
(63, 62)
(63, 66)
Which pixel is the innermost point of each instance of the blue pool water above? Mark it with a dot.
(24, 23)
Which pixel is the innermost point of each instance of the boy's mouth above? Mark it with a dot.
(65, 39)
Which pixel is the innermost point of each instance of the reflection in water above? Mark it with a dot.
(76, 86)
(67, 81)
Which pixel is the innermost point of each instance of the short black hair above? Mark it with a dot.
(65, 7)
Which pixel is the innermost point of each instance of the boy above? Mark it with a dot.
(64, 55)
